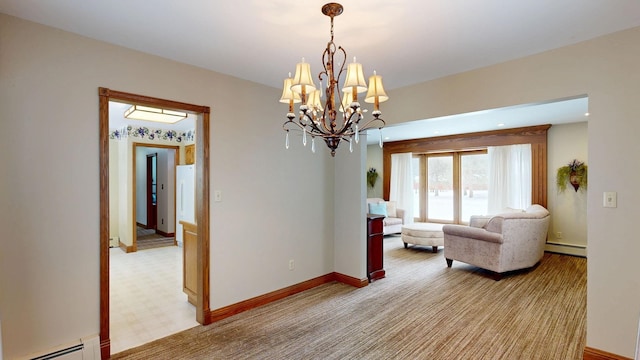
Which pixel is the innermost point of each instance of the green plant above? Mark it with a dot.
(574, 173)
(372, 177)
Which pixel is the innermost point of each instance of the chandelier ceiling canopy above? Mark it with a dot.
(331, 109)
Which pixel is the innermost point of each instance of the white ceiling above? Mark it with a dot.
(563, 111)
(406, 41)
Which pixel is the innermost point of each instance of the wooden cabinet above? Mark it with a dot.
(375, 238)
(190, 261)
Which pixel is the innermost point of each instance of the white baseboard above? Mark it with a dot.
(87, 348)
(567, 249)
(91, 348)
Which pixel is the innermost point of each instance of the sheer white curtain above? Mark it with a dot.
(401, 190)
(509, 177)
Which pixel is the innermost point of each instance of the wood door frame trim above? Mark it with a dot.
(149, 189)
(202, 201)
(134, 179)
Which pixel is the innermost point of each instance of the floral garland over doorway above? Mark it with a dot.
(152, 134)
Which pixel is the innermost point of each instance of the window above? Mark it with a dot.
(440, 188)
(536, 136)
(450, 187)
(415, 166)
(475, 184)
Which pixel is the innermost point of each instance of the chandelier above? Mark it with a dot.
(339, 117)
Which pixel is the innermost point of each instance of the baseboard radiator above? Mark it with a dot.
(85, 349)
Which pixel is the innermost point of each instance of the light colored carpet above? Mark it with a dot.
(421, 310)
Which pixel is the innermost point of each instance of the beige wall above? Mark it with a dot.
(569, 208)
(607, 69)
(125, 192)
(350, 220)
(114, 192)
(374, 160)
(49, 257)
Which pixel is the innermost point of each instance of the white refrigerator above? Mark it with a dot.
(185, 198)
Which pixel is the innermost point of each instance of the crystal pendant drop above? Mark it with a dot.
(380, 141)
(304, 137)
(286, 140)
(350, 146)
(313, 144)
(357, 134)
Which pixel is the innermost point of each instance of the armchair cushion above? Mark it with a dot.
(472, 233)
(391, 209)
(388, 221)
(378, 209)
(479, 221)
(494, 224)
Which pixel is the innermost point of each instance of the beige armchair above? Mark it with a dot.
(394, 217)
(500, 243)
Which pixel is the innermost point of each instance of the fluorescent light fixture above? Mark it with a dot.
(148, 113)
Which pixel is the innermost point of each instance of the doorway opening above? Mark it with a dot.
(202, 202)
(153, 195)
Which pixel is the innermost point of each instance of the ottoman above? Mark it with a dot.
(428, 234)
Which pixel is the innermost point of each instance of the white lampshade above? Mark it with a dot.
(355, 77)
(303, 79)
(287, 94)
(314, 102)
(376, 92)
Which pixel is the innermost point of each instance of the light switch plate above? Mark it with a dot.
(610, 199)
(217, 196)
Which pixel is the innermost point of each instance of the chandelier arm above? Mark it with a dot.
(284, 126)
(312, 124)
(311, 129)
(337, 89)
(344, 62)
(367, 126)
(304, 119)
(349, 122)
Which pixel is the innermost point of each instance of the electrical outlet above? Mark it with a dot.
(559, 235)
(291, 264)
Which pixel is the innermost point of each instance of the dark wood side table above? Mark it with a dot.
(375, 237)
